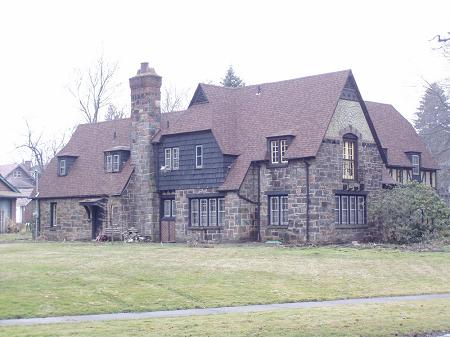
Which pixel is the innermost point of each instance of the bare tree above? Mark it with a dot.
(93, 89)
(172, 100)
(114, 113)
(40, 151)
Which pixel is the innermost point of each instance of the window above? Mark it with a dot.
(203, 212)
(116, 163)
(62, 167)
(415, 164)
(175, 158)
(278, 210)
(109, 163)
(283, 148)
(278, 150)
(172, 158)
(168, 208)
(194, 212)
(275, 156)
(17, 174)
(213, 211)
(168, 158)
(221, 212)
(53, 214)
(348, 157)
(207, 212)
(199, 156)
(350, 209)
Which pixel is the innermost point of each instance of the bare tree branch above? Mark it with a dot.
(94, 89)
(172, 100)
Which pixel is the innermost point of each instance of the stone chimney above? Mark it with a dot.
(145, 122)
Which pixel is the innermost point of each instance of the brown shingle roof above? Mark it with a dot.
(398, 136)
(241, 119)
(87, 176)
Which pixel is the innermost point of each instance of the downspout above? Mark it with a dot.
(307, 164)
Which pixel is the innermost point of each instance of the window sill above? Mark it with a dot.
(352, 227)
(203, 228)
(167, 218)
(278, 227)
(277, 165)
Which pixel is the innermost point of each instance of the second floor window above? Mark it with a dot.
(62, 167)
(17, 174)
(109, 163)
(116, 163)
(415, 164)
(199, 156)
(172, 158)
(349, 157)
(278, 150)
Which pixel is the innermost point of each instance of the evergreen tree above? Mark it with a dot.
(231, 80)
(433, 121)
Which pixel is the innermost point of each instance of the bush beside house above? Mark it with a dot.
(409, 213)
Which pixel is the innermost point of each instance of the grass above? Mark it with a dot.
(369, 320)
(46, 279)
(5, 237)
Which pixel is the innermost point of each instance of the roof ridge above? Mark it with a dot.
(275, 82)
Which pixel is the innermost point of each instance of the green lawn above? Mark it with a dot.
(368, 320)
(23, 236)
(44, 279)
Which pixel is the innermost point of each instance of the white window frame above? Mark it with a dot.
(415, 159)
(354, 212)
(116, 163)
(361, 210)
(274, 211)
(212, 217)
(109, 163)
(194, 217)
(283, 149)
(62, 167)
(168, 158)
(274, 152)
(203, 208)
(207, 212)
(198, 165)
(53, 214)
(175, 158)
(173, 208)
(284, 210)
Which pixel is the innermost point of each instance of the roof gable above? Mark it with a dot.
(199, 96)
(7, 186)
(398, 136)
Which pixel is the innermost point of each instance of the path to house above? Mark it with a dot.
(215, 311)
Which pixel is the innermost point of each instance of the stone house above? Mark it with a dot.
(294, 160)
(21, 176)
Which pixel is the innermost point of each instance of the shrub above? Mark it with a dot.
(409, 213)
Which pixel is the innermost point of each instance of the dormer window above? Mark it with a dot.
(349, 152)
(415, 159)
(112, 162)
(115, 158)
(62, 167)
(116, 163)
(278, 150)
(17, 174)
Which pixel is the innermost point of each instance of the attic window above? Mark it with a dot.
(278, 150)
(17, 174)
(415, 159)
(112, 162)
(62, 167)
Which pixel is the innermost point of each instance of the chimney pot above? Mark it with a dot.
(144, 67)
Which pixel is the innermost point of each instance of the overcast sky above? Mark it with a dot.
(385, 43)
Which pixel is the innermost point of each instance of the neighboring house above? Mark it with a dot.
(8, 196)
(21, 177)
(295, 160)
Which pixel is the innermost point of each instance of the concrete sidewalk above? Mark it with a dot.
(216, 311)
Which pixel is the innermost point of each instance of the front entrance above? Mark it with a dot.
(167, 215)
(97, 223)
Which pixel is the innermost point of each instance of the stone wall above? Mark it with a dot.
(72, 220)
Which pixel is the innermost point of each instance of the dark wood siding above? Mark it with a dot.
(215, 164)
